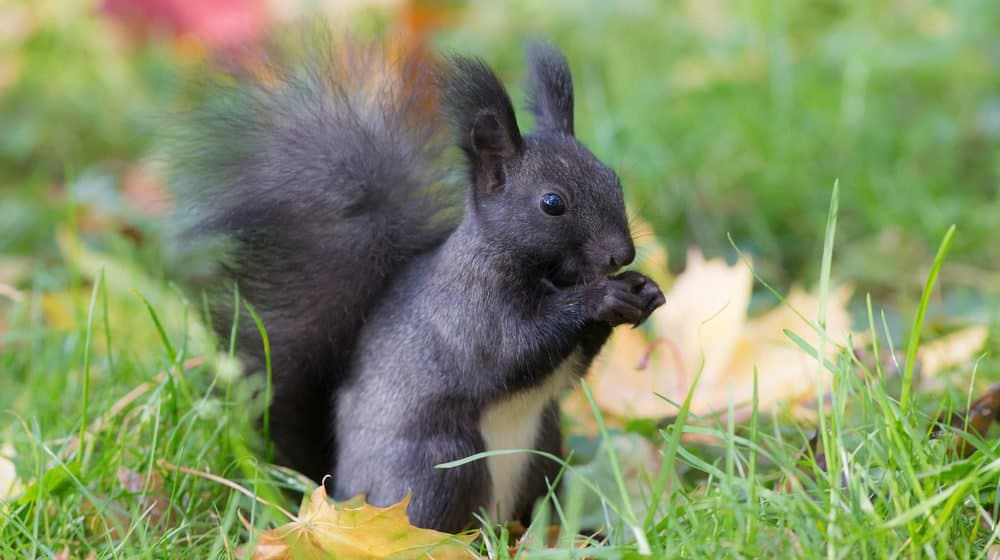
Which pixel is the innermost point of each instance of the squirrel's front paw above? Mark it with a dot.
(628, 298)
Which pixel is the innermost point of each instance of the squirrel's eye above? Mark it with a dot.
(553, 205)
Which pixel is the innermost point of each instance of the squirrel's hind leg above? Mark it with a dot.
(441, 499)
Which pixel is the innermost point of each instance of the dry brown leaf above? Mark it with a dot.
(982, 413)
(113, 516)
(321, 530)
(704, 326)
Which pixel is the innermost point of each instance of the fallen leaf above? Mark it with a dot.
(520, 536)
(704, 327)
(785, 371)
(322, 530)
(115, 515)
(953, 349)
(982, 413)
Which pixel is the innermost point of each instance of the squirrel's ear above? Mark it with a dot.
(550, 89)
(484, 118)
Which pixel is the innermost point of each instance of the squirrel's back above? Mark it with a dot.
(315, 179)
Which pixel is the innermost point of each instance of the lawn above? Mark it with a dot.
(827, 143)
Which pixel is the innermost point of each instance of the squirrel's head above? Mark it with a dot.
(543, 197)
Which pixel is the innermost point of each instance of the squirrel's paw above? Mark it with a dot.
(649, 293)
(628, 298)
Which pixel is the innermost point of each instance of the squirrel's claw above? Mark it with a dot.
(652, 298)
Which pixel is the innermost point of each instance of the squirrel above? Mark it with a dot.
(410, 324)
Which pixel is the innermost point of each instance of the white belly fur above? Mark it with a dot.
(513, 424)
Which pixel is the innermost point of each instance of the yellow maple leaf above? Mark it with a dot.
(323, 530)
(704, 327)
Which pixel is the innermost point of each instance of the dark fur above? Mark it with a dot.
(551, 89)
(387, 324)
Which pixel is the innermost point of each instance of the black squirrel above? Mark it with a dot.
(408, 328)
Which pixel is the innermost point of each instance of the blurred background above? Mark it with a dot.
(724, 119)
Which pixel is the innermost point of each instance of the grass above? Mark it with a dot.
(724, 123)
(886, 489)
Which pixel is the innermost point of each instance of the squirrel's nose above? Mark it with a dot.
(622, 256)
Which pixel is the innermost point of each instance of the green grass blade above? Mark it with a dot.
(918, 320)
(268, 388)
(85, 397)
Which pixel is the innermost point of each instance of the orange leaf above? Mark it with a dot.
(323, 530)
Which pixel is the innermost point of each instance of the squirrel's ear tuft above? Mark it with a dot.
(483, 116)
(550, 88)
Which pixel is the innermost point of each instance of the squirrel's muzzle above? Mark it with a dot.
(623, 255)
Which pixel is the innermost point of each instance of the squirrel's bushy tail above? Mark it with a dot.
(314, 175)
